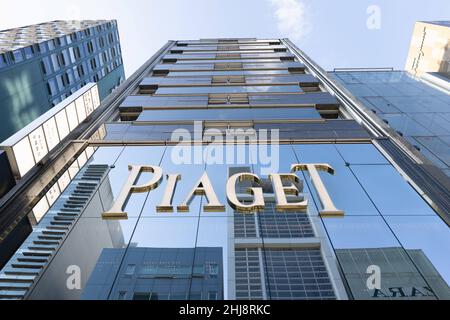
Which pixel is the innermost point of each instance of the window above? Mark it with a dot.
(52, 87)
(178, 296)
(3, 61)
(17, 56)
(213, 269)
(212, 295)
(131, 268)
(29, 52)
(244, 225)
(80, 70)
(51, 45)
(66, 56)
(93, 64)
(248, 275)
(49, 90)
(61, 60)
(47, 65)
(72, 55)
(75, 73)
(77, 53)
(44, 71)
(43, 47)
(141, 296)
(89, 46)
(55, 62)
(195, 296)
(59, 80)
(70, 75)
(65, 79)
(283, 267)
(284, 225)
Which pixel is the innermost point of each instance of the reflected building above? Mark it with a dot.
(157, 274)
(193, 234)
(278, 256)
(89, 190)
(429, 50)
(405, 274)
(43, 64)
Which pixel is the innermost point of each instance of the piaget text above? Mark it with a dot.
(284, 184)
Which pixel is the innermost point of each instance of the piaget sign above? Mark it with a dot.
(284, 184)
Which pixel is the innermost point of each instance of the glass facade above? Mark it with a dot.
(194, 196)
(46, 63)
(417, 111)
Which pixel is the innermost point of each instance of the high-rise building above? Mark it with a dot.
(42, 64)
(429, 50)
(229, 169)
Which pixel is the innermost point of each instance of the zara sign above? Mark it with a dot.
(284, 184)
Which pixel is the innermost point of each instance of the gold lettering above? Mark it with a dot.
(203, 187)
(166, 202)
(328, 208)
(116, 212)
(281, 191)
(258, 202)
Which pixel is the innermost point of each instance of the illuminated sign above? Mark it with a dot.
(284, 185)
(30, 145)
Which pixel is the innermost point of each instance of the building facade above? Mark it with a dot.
(41, 65)
(429, 50)
(230, 169)
(417, 110)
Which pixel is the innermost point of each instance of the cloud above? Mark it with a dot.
(293, 21)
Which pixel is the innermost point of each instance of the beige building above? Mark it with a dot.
(429, 50)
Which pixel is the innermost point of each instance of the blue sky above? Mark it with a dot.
(333, 33)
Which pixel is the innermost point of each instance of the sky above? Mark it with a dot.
(336, 34)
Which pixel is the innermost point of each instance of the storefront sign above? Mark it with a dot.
(284, 184)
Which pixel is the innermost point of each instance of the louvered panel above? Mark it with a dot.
(31, 259)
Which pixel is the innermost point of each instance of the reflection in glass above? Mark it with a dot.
(390, 193)
(343, 188)
(162, 249)
(427, 241)
(363, 244)
(98, 235)
(130, 155)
